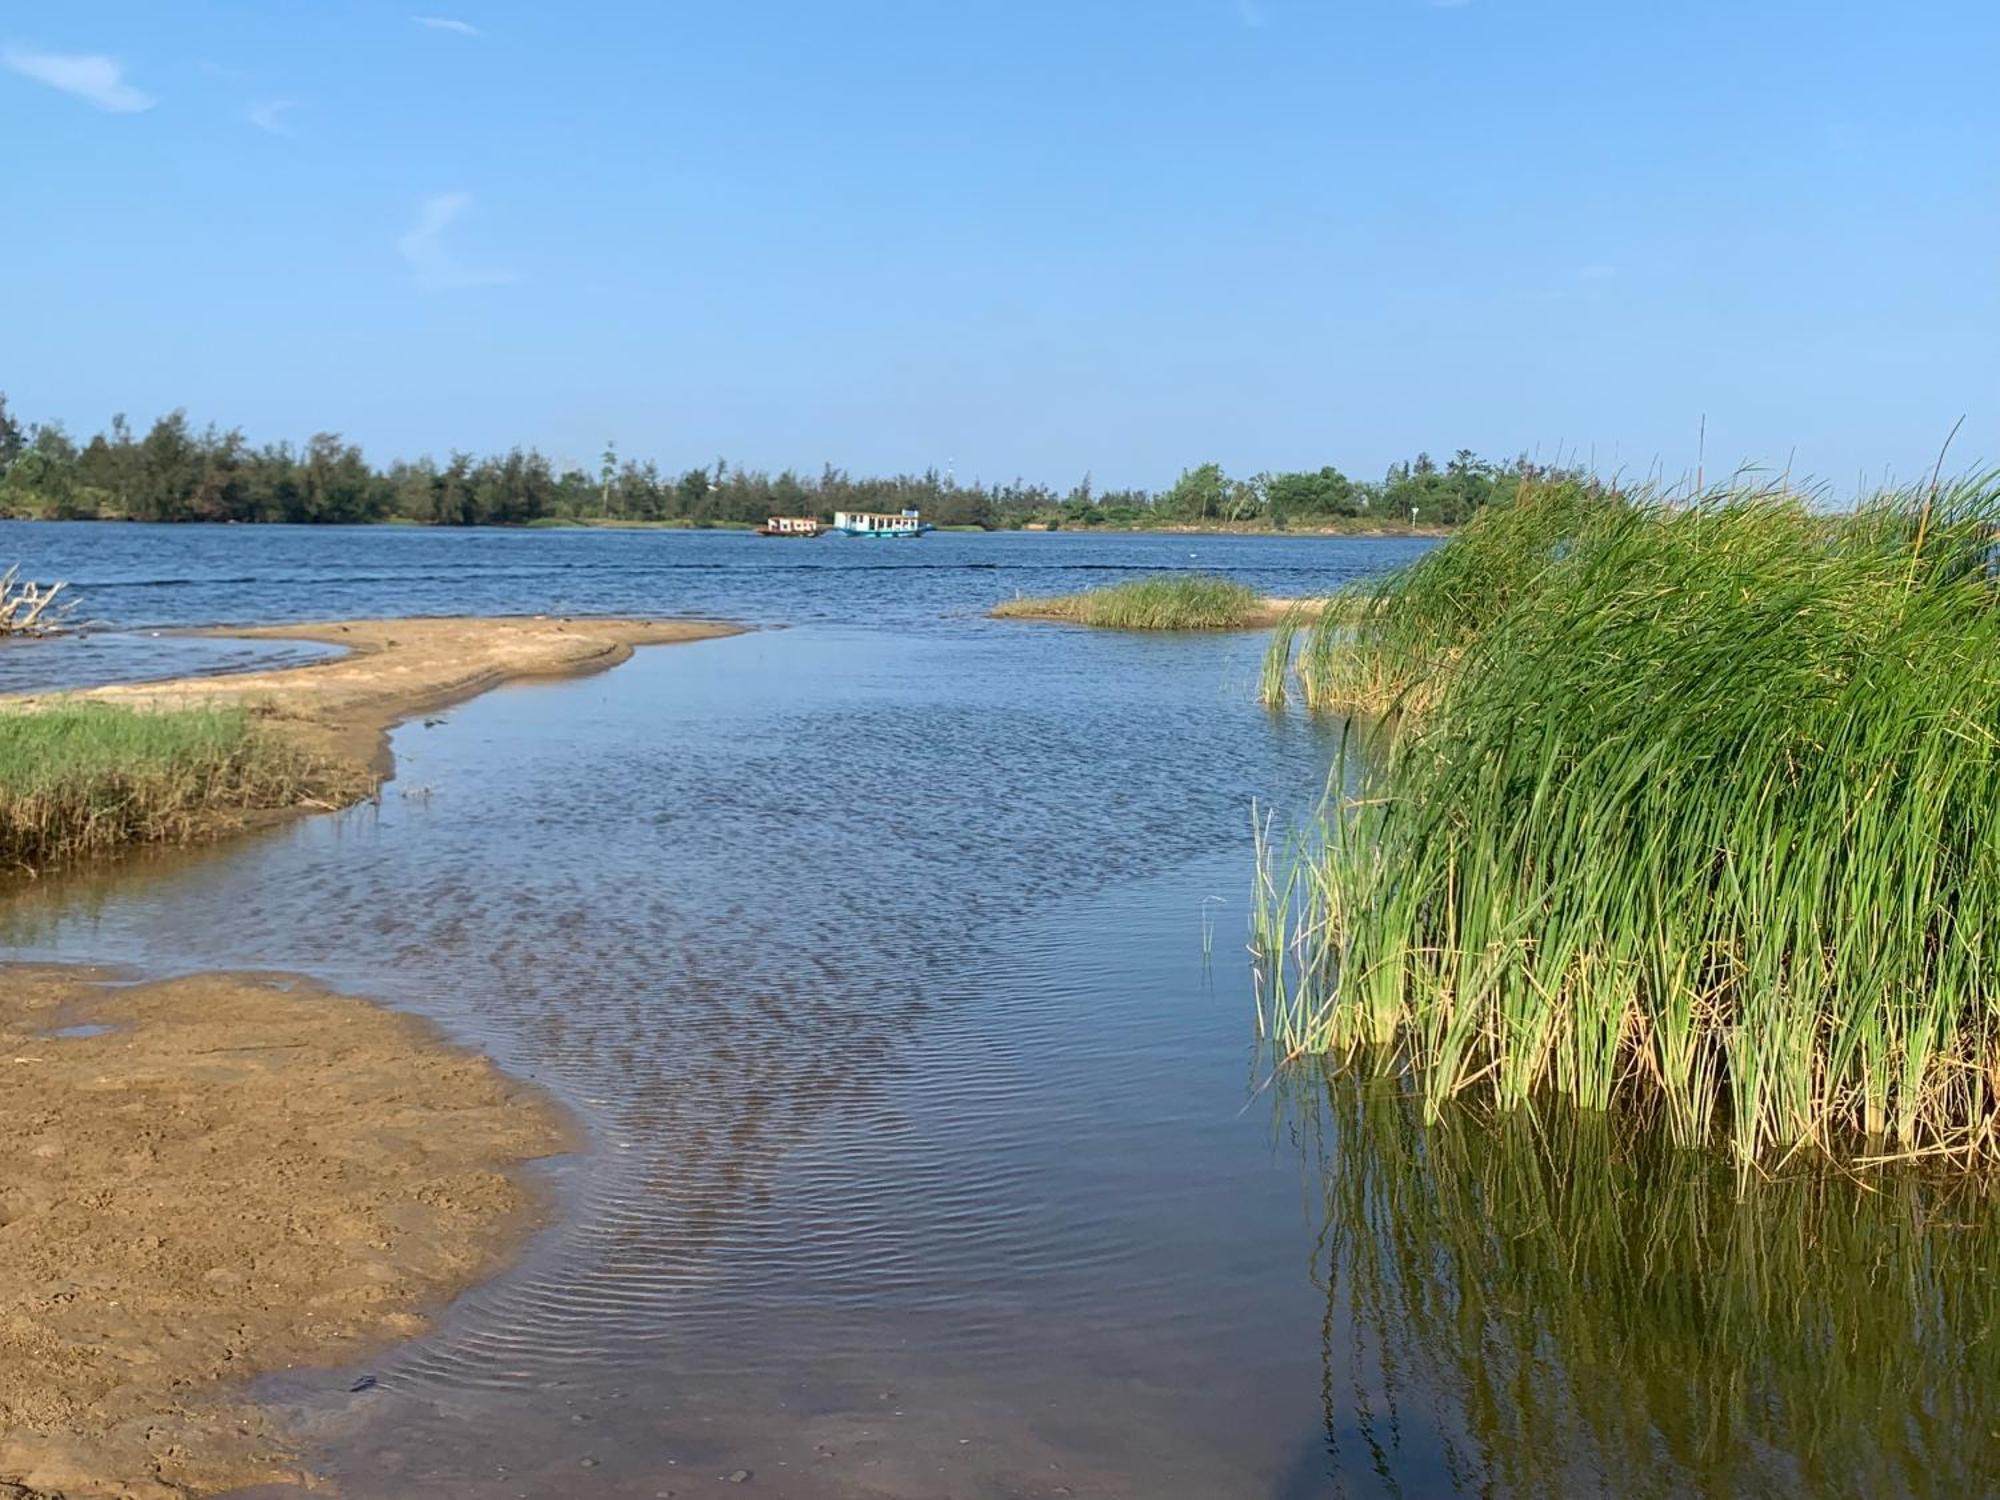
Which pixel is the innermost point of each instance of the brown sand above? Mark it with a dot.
(235, 1179)
(396, 669)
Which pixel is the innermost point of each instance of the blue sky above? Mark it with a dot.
(1021, 237)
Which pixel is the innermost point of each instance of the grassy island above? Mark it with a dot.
(1691, 810)
(1166, 601)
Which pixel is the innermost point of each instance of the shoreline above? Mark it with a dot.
(392, 671)
(1392, 531)
(194, 1201)
(221, 1175)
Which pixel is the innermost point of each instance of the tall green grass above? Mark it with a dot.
(1698, 814)
(1411, 625)
(1166, 601)
(1278, 655)
(85, 779)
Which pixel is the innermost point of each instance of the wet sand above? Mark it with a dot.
(396, 669)
(241, 1174)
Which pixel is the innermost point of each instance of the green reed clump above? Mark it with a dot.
(83, 779)
(1277, 666)
(1704, 819)
(1166, 601)
(1387, 645)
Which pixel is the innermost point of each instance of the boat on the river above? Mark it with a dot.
(880, 523)
(789, 526)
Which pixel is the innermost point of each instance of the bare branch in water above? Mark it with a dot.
(32, 608)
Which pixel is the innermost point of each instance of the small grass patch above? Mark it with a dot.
(1166, 601)
(88, 778)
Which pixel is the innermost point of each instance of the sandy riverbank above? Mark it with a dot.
(235, 1177)
(396, 669)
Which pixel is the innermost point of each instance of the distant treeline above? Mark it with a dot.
(178, 473)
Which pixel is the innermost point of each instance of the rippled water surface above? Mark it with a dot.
(894, 962)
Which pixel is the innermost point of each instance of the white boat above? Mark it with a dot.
(880, 523)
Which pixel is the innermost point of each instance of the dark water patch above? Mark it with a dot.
(1567, 1305)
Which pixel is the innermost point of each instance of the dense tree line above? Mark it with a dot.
(178, 473)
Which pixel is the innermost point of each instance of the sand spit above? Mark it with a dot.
(242, 1173)
(395, 669)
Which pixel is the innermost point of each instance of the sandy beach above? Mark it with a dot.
(216, 1177)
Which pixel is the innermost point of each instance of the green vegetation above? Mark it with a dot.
(1386, 646)
(1568, 1300)
(1278, 656)
(1166, 601)
(175, 472)
(1697, 818)
(84, 779)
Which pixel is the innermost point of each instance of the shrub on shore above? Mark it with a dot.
(1166, 601)
(1700, 814)
(83, 779)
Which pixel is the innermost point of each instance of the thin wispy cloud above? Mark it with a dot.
(434, 263)
(87, 76)
(446, 23)
(269, 115)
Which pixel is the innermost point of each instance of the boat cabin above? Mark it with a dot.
(789, 526)
(879, 523)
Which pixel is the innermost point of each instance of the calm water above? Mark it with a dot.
(928, 1150)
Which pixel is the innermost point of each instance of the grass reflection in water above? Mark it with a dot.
(1554, 1302)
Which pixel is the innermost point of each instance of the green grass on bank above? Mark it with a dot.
(86, 779)
(1700, 816)
(1168, 601)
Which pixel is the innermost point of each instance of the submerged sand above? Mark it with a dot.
(242, 1174)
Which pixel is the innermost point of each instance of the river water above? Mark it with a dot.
(894, 962)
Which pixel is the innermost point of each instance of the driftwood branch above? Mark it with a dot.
(32, 608)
